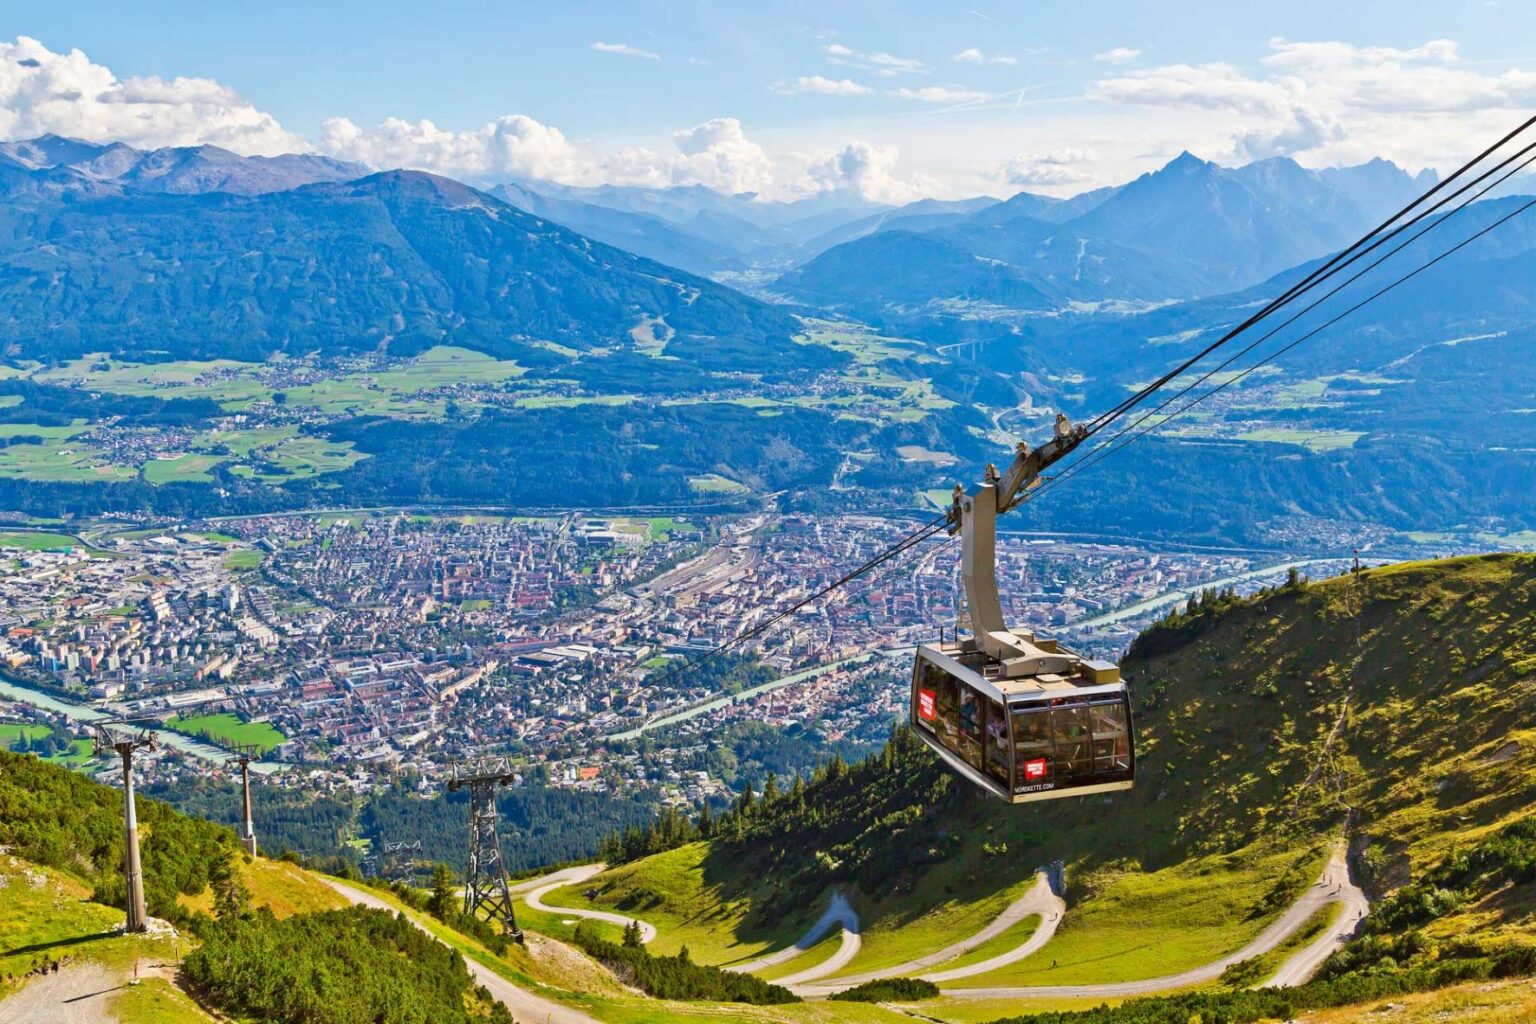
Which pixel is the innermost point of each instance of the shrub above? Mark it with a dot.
(888, 990)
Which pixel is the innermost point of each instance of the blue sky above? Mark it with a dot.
(896, 100)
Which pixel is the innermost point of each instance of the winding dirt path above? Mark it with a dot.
(1335, 886)
(840, 912)
(1039, 900)
(535, 891)
(77, 994)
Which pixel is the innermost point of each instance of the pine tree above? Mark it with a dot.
(441, 903)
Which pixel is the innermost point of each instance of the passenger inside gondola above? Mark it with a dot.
(969, 746)
(997, 743)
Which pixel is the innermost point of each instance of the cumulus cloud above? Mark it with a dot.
(1065, 166)
(626, 50)
(515, 146)
(975, 56)
(68, 94)
(941, 94)
(869, 171)
(824, 86)
(1335, 100)
(1119, 55)
(718, 153)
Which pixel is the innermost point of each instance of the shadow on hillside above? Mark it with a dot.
(42, 947)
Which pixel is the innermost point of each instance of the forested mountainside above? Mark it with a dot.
(397, 261)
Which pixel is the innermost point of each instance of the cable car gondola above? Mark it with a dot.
(1015, 713)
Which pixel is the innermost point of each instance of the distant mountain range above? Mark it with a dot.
(188, 170)
(1190, 229)
(111, 249)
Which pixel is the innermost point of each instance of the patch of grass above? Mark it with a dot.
(227, 728)
(862, 343)
(896, 929)
(693, 900)
(561, 926)
(285, 889)
(1312, 440)
(157, 1000)
(714, 483)
(244, 559)
(1150, 924)
(80, 752)
(1254, 971)
(1486, 1002)
(1011, 939)
(11, 732)
(60, 461)
(46, 913)
(188, 468)
(813, 957)
(917, 453)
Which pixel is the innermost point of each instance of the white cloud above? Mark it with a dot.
(975, 56)
(718, 153)
(514, 146)
(1337, 101)
(883, 64)
(1119, 55)
(870, 172)
(1065, 166)
(824, 86)
(941, 94)
(626, 50)
(66, 93)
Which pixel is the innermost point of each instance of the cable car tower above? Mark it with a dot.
(125, 740)
(485, 879)
(396, 863)
(1016, 713)
(245, 753)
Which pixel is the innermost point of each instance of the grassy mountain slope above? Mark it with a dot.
(1266, 732)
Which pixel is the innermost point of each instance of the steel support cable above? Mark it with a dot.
(905, 544)
(1337, 262)
(1094, 455)
(1073, 469)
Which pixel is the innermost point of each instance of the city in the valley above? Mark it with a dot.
(350, 646)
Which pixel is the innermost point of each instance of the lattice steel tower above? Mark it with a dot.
(396, 863)
(485, 878)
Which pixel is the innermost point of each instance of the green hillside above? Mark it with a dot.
(1391, 711)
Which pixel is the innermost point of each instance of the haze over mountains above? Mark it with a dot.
(1187, 230)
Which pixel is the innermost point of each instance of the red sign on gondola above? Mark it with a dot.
(927, 704)
(1034, 770)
